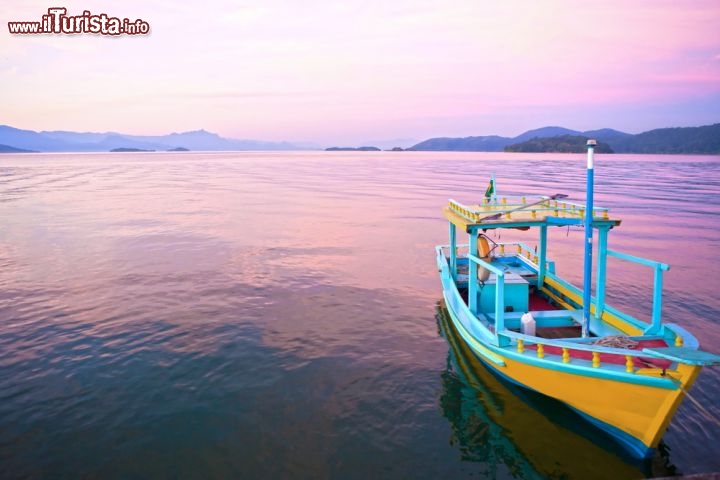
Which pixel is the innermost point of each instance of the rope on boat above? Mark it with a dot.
(617, 341)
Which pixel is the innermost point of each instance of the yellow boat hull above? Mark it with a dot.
(635, 408)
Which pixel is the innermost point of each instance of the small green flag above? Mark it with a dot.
(490, 190)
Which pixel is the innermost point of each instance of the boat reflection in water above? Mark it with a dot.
(518, 433)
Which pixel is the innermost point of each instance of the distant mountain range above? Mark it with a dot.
(695, 140)
(61, 141)
(700, 140)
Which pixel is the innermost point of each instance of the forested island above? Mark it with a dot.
(559, 144)
(352, 149)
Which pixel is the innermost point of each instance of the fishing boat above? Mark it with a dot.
(532, 327)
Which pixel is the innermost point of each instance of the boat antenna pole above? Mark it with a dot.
(587, 277)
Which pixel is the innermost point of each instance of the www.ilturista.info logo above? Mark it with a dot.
(58, 22)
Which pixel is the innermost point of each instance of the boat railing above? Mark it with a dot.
(506, 204)
(600, 309)
(658, 269)
(518, 248)
(522, 341)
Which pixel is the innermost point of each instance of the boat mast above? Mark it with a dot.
(587, 277)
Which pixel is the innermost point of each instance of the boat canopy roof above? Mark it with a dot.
(523, 212)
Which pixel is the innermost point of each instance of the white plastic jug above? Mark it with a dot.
(527, 324)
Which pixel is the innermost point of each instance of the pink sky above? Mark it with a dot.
(353, 71)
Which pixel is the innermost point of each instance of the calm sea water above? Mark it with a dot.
(276, 315)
